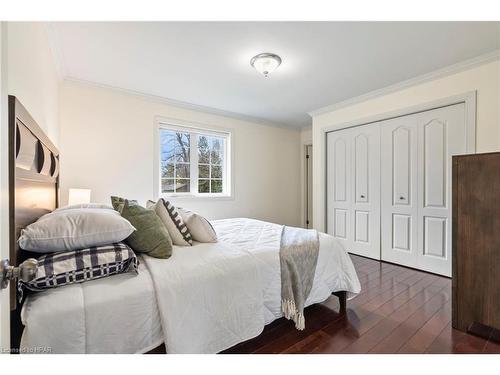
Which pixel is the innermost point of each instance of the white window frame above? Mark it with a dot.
(162, 123)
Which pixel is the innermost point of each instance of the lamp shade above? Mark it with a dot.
(79, 196)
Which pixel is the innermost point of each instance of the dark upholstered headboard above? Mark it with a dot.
(33, 186)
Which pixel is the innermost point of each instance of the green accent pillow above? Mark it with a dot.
(118, 203)
(151, 236)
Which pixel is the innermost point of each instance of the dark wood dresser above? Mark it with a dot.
(476, 243)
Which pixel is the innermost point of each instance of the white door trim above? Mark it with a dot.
(305, 181)
(4, 189)
(468, 98)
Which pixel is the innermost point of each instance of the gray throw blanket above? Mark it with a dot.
(298, 257)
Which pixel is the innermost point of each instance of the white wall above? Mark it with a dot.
(27, 70)
(32, 75)
(107, 145)
(485, 79)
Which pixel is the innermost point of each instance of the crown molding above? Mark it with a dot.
(440, 73)
(183, 105)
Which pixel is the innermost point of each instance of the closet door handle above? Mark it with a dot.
(362, 196)
(401, 198)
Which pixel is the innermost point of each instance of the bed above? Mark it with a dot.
(170, 301)
(120, 314)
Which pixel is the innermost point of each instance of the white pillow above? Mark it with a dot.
(178, 230)
(75, 229)
(200, 228)
(85, 205)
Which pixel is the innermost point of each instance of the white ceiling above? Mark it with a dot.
(207, 63)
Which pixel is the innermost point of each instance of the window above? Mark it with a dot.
(193, 161)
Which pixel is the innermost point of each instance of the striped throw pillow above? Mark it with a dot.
(169, 215)
(70, 267)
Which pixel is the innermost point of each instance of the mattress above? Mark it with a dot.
(120, 314)
(117, 314)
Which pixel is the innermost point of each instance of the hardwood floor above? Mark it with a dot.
(399, 310)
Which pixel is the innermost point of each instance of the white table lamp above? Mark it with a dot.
(79, 196)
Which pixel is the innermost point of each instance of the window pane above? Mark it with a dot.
(216, 172)
(167, 155)
(174, 146)
(217, 150)
(203, 171)
(182, 154)
(217, 143)
(167, 137)
(167, 170)
(221, 152)
(167, 142)
(216, 186)
(167, 185)
(182, 139)
(203, 149)
(182, 185)
(215, 157)
(203, 186)
(182, 170)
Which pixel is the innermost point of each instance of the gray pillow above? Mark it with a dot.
(74, 229)
(200, 228)
(85, 205)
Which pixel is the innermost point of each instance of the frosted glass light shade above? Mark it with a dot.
(265, 63)
(79, 196)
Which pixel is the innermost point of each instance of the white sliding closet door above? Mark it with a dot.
(399, 196)
(353, 195)
(416, 186)
(365, 165)
(339, 176)
(442, 134)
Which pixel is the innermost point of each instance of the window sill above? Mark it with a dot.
(208, 197)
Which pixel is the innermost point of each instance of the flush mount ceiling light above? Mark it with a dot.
(265, 63)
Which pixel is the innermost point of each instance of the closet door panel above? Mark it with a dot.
(340, 223)
(339, 197)
(361, 168)
(434, 237)
(401, 165)
(434, 163)
(340, 169)
(398, 190)
(362, 227)
(365, 217)
(401, 232)
(442, 134)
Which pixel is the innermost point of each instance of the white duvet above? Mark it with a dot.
(212, 296)
(116, 314)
